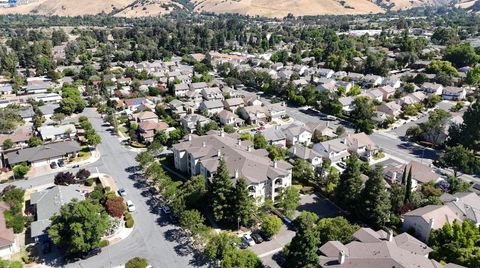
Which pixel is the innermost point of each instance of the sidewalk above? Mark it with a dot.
(120, 235)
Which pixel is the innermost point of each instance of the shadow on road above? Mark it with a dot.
(418, 150)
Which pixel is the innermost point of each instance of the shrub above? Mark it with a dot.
(115, 206)
(104, 243)
(129, 223)
(26, 259)
(89, 182)
(136, 263)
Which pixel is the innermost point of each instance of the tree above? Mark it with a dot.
(241, 258)
(82, 174)
(473, 76)
(194, 192)
(220, 244)
(302, 250)
(79, 226)
(349, 187)
(408, 187)
(397, 196)
(375, 200)
(20, 170)
(362, 115)
(137, 262)
(289, 200)
(271, 225)
(461, 55)
(115, 206)
(433, 130)
(457, 185)
(456, 243)
(93, 139)
(193, 221)
(35, 141)
(244, 205)
(222, 194)
(68, 106)
(7, 144)
(161, 137)
(302, 171)
(259, 141)
(469, 132)
(460, 159)
(58, 117)
(336, 229)
(144, 159)
(64, 178)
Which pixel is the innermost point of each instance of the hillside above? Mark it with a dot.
(269, 8)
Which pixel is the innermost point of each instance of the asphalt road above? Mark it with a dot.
(162, 246)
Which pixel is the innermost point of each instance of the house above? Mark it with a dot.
(137, 104)
(37, 87)
(148, 129)
(390, 108)
(19, 137)
(300, 83)
(6, 89)
(466, 205)
(145, 116)
(377, 249)
(321, 129)
(340, 75)
(254, 114)
(327, 73)
(338, 149)
(26, 113)
(388, 92)
(327, 84)
(212, 93)
(48, 98)
(296, 133)
(211, 107)
(420, 173)
(347, 103)
(412, 98)
(198, 87)
(275, 136)
(432, 88)
(345, 84)
(355, 77)
(252, 100)
(43, 154)
(233, 104)
(454, 93)
(190, 121)
(181, 89)
(47, 203)
(228, 118)
(57, 133)
(277, 110)
(373, 80)
(285, 74)
(48, 110)
(374, 95)
(200, 155)
(305, 153)
(392, 82)
(7, 238)
(422, 221)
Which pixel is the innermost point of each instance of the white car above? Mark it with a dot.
(248, 239)
(122, 192)
(130, 206)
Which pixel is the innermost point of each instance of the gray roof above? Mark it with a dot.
(43, 152)
(48, 132)
(303, 152)
(48, 109)
(212, 104)
(273, 134)
(26, 112)
(49, 201)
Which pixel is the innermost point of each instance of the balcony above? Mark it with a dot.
(278, 183)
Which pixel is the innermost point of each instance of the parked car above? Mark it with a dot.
(342, 164)
(166, 210)
(122, 192)
(53, 165)
(47, 247)
(243, 245)
(91, 253)
(265, 236)
(248, 239)
(75, 166)
(61, 163)
(257, 238)
(130, 206)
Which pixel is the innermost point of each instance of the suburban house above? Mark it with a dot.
(373, 80)
(228, 118)
(48, 202)
(277, 110)
(198, 87)
(305, 153)
(388, 92)
(7, 238)
(19, 137)
(200, 155)
(320, 129)
(347, 103)
(432, 88)
(145, 116)
(252, 100)
(148, 129)
(422, 221)
(390, 108)
(327, 73)
(233, 104)
(454, 93)
(48, 98)
(296, 133)
(57, 133)
(374, 94)
(211, 107)
(466, 205)
(26, 113)
(338, 149)
(378, 249)
(43, 154)
(6, 89)
(392, 82)
(212, 93)
(37, 87)
(412, 98)
(420, 173)
(137, 104)
(181, 89)
(190, 121)
(254, 114)
(275, 136)
(48, 110)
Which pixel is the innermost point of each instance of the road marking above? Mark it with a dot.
(271, 252)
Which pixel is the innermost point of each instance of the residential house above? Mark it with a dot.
(388, 92)
(432, 88)
(48, 98)
(454, 93)
(26, 113)
(321, 129)
(57, 133)
(6, 89)
(234, 104)
(47, 203)
(340, 75)
(305, 153)
(19, 137)
(327, 73)
(412, 98)
(466, 205)
(43, 154)
(8, 245)
(275, 136)
(392, 82)
(200, 155)
(198, 87)
(345, 84)
(145, 116)
(374, 95)
(277, 110)
(355, 77)
(181, 89)
(338, 149)
(190, 121)
(228, 118)
(296, 133)
(420, 173)
(37, 87)
(139, 104)
(254, 114)
(48, 110)
(285, 74)
(147, 129)
(390, 108)
(300, 83)
(422, 221)
(252, 100)
(212, 93)
(211, 107)
(378, 249)
(327, 84)
(373, 80)
(347, 103)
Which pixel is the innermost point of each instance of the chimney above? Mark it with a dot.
(432, 222)
(294, 149)
(457, 199)
(277, 127)
(275, 163)
(189, 137)
(236, 173)
(390, 236)
(219, 153)
(328, 123)
(345, 141)
(249, 148)
(239, 142)
(222, 134)
(341, 257)
(204, 144)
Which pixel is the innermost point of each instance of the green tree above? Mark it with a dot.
(7, 144)
(469, 132)
(460, 159)
(79, 226)
(144, 159)
(375, 200)
(408, 187)
(219, 245)
(58, 117)
(362, 115)
(473, 76)
(461, 55)
(35, 141)
(241, 258)
(137, 262)
(222, 194)
(336, 229)
(302, 171)
(397, 196)
(303, 250)
(271, 224)
(244, 205)
(349, 187)
(290, 200)
(20, 170)
(93, 139)
(193, 221)
(259, 141)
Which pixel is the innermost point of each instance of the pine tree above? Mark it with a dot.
(376, 205)
(303, 250)
(469, 130)
(408, 188)
(221, 194)
(404, 176)
(350, 185)
(243, 203)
